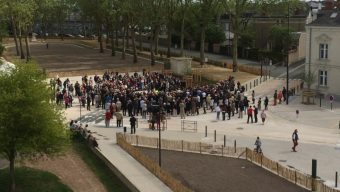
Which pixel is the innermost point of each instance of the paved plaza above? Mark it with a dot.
(318, 128)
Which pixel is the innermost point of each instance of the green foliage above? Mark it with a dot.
(309, 78)
(281, 38)
(214, 34)
(280, 8)
(33, 180)
(247, 37)
(99, 168)
(2, 49)
(30, 125)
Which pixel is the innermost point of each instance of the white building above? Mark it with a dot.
(323, 51)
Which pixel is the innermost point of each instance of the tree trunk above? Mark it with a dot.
(140, 40)
(152, 56)
(182, 37)
(127, 37)
(116, 38)
(11, 170)
(202, 46)
(124, 46)
(15, 35)
(22, 54)
(156, 37)
(113, 49)
(28, 51)
(100, 39)
(168, 53)
(133, 35)
(61, 31)
(235, 41)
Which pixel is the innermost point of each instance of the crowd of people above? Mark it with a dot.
(159, 96)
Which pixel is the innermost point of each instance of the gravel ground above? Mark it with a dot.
(206, 173)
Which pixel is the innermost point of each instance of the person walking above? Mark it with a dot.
(250, 114)
(263, 117)
(133, 124)
(295, 138)
(258, 144)
(275, 97)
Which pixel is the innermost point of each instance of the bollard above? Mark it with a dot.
(254, 82)
(235, 146)
(260, 80)
(215, 135)
(336, 179)
(124, 129)
(250, 85)
(225, 140)
(206, 131)
(246, 87)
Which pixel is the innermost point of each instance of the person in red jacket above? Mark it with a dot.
(250, 114)
(107, 118)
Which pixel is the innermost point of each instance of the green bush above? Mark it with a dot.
(2, 49)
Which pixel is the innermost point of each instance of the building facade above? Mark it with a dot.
(323, 52)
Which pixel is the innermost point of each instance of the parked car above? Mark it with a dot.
(68, 35)
(80, 36)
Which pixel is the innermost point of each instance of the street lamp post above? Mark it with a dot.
(287, 92)
(79, 110)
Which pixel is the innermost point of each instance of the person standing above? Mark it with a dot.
(107, 118)
(250, 114)
(284, 93)
(263, 116)
(218, 111)
(266, 101)
(182, 109)
(88, 102)
(256, 111)
(253, 96)
(275, 97)
(259, 102)
(133, 124)
(295, 138)
(119, 117)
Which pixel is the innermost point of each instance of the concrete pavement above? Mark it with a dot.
(319, 134)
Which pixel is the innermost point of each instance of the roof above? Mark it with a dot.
(329, 18)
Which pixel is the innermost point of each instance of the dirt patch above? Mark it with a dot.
(205, 173)
(72, 171)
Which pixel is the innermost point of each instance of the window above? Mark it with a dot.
(323, 51)
(322, 78)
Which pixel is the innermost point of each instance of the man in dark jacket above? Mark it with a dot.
(295, 138)
(133, 124)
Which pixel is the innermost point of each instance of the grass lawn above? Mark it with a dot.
(32, 180)
(109, 180)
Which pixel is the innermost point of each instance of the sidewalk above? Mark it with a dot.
(141, 179)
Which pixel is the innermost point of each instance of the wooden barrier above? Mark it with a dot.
(289, 174)
(164, 176)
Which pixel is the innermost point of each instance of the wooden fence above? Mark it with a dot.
(292, 175)
(163, 175)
